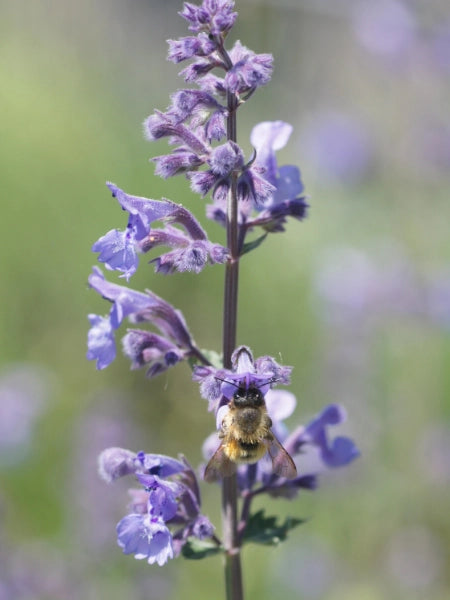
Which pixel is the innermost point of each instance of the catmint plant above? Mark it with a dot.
(251, 452)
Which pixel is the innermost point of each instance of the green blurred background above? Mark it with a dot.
(356, 298)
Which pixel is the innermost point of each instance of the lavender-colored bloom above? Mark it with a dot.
(165, 512)
(159, 125)
(253, 189)
(287, 197)
(190, 253)
(144, 348)
(218, 386)
(249, 70)
(268, 137)
(162, 495)
(180, 161)
(160, 464)
(213, 16)
(117, 248)
(337, 453)
(223, 160)
(190, 46)
(116, 462)
(145, 537)
(101, 343)
(187, 103)
(125, 301)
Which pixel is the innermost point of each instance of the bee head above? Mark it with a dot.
(248, 392)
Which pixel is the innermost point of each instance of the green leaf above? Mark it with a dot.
(195, 549)
(265, 530)
(253, 244)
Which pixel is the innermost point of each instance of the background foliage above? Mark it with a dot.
(357, 297)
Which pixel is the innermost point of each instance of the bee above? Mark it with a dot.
(246, 437)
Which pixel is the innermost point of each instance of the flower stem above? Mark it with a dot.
(233, 572)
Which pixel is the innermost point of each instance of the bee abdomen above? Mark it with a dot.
(240, 451)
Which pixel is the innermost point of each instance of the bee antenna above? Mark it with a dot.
(226, 381)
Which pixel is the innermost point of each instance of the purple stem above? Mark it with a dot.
(233, 571)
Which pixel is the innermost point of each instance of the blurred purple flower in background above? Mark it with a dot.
(414, 559)
(24, 393)
(385, 28)
(373, 286)
(338, 146)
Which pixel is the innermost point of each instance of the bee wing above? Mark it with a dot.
(282, 462)
(219, 466)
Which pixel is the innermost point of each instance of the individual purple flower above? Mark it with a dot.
(188, 103)
(146, 537)
(218, 386)
(249, 70)
(337, 453)
(145, 348)
(304, 444)
(118, 248)
(125, 300)
(190, 46)
(116, 462)
(158, 352)
(159, 125)
(287, 198)
(191, 252)
(179, 161)
(223, 161)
